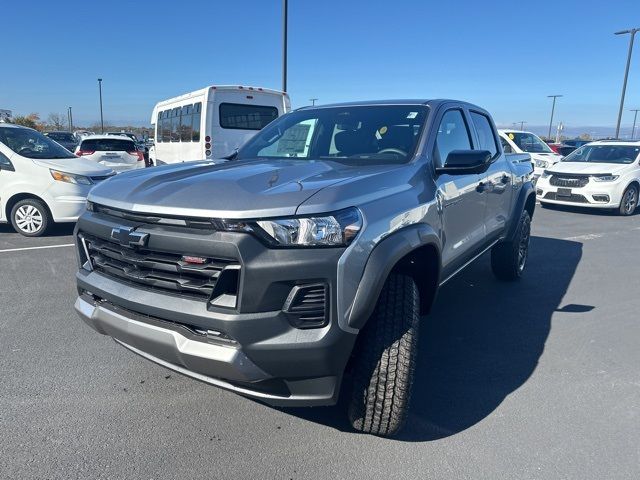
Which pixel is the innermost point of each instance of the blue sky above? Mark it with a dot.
(504, 56)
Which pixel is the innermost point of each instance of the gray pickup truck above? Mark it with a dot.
(309, 256)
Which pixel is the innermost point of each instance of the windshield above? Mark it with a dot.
(358, 134)
(528, 142)
(624, 154)
(32, 144)
(61, 136)
(107, 145)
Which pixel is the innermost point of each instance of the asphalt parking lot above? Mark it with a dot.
(534, 380)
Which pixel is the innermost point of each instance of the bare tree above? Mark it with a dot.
(57, 121)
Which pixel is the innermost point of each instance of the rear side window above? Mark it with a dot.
(453, 134)
(246, 117)
(107, 145)
(506, 148)
(486, 137)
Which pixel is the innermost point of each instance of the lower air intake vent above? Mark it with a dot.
(307, 306)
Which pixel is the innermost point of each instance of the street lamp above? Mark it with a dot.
(553, 108)
(70, 118)
(635, 115)
(101, 117)
(313, 101)
(522, 122)
(626, 74)
(285, 13)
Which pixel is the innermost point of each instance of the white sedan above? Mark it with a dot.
(603, 174)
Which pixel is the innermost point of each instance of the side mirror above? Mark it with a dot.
(465, 162)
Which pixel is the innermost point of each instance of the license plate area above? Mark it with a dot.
(563, 192)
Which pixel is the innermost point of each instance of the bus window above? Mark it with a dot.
(195, 125)
(185, 123)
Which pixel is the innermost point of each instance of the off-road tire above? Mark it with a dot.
(509, 258)
(38, 215)
(385, 359)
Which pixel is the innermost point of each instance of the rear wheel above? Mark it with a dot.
(629, 201)
(30, 217)
(509, 259)
(385, 360)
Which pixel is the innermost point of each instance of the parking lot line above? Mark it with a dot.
(35, 248)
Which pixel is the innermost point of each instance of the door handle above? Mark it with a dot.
(481, 187)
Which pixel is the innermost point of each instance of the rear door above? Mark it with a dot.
(498, 180)
(461, 204)
(236, 116)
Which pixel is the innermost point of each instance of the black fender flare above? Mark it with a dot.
(382, 260)
(526, 191)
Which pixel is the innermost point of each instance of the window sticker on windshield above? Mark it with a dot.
(412, 115)
(512, 136)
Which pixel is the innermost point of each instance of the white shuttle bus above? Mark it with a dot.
(212, 122)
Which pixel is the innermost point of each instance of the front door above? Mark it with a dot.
(460, 200)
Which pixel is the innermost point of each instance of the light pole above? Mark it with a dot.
(70, 119)
(626, 74)
(313, 101)
(285, 13)
(101, 117)
(553, 108)
(635, 116)
(522, 122)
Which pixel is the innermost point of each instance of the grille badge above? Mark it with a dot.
(126, 237)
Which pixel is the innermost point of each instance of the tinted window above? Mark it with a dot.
(32, 144)
(159, 128)
(452, 135)
(506, 148)
(357, 134)
(246, 117)
(195, 123)
(486, 137)
(175, 124)
(185, 123)
(107, 145)
(61, 136)
(166, 126)
(5, 162)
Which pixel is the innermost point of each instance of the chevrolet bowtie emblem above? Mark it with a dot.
(126, 237)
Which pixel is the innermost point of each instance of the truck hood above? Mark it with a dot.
(588, 168)
(244, 189)
(78, 166)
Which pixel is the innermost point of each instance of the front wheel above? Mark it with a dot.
(385, 360)
(30, 217)
(629, 201)
(509, 258)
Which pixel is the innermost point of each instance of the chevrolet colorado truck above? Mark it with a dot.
(308, 256)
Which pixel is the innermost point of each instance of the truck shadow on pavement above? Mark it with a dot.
(481, 342)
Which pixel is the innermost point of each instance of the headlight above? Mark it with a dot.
(337, 229)
(605, 178)
(70, 178)
(542, 164)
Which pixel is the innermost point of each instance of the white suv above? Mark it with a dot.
(117, 152)
(603, 174)
(516, 141)
(41, 182)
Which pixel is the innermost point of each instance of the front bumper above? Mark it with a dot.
(260, 354)
(594, 194)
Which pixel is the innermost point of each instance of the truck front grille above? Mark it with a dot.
(154, 269)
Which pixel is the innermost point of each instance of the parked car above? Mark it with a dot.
(212, 122)
(515, 141)
(310, 255)
(117, 152)
(569, 146)
(66, 139)
(600, 174)
(41, 182)
(140, 144)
